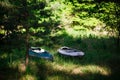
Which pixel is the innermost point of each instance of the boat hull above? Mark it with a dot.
(40, 54)
(70, 52)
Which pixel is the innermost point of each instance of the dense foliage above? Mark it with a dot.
(45, 17)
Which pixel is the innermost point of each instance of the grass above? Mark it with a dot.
(101, 60)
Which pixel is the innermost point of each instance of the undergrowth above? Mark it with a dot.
(101, 60)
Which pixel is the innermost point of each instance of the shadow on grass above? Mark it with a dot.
(98, 51)
(111, 63)
(63, 75)
(7, 73)
(45, 71)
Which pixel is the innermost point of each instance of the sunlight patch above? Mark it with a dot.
(4, 56)
(83, 70)
(22, 67)
(95, 69)
(28, 77)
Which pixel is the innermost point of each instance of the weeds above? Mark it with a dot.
(101, 60)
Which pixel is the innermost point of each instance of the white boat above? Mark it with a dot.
(70, 52)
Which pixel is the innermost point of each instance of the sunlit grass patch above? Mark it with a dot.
(77, 72)
(96, 69)
(28, 77)
(21, 67)
(4, 55)
(77, 34)
(85, 33)
(83, 69)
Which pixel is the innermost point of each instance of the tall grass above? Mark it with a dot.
(101, 60)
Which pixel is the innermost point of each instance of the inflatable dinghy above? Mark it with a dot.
(41, 53)
(70, 52)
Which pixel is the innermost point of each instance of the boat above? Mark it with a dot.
(40, 53)
(70, 51)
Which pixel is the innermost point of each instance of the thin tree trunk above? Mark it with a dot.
(118, 40)
(27, 45)
(27, 30)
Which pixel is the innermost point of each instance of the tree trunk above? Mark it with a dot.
(25, 14)
(27, 45)
(118, 40)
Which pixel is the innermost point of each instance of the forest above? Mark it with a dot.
(92, 26)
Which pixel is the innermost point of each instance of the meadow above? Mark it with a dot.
(101, 60)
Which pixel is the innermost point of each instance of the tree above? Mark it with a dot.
(28, 15)
(25, 24)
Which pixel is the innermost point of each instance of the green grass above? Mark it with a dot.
(101, 60)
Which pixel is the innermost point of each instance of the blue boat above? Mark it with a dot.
(41, 53)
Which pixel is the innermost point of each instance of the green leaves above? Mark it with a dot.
(45, 16)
